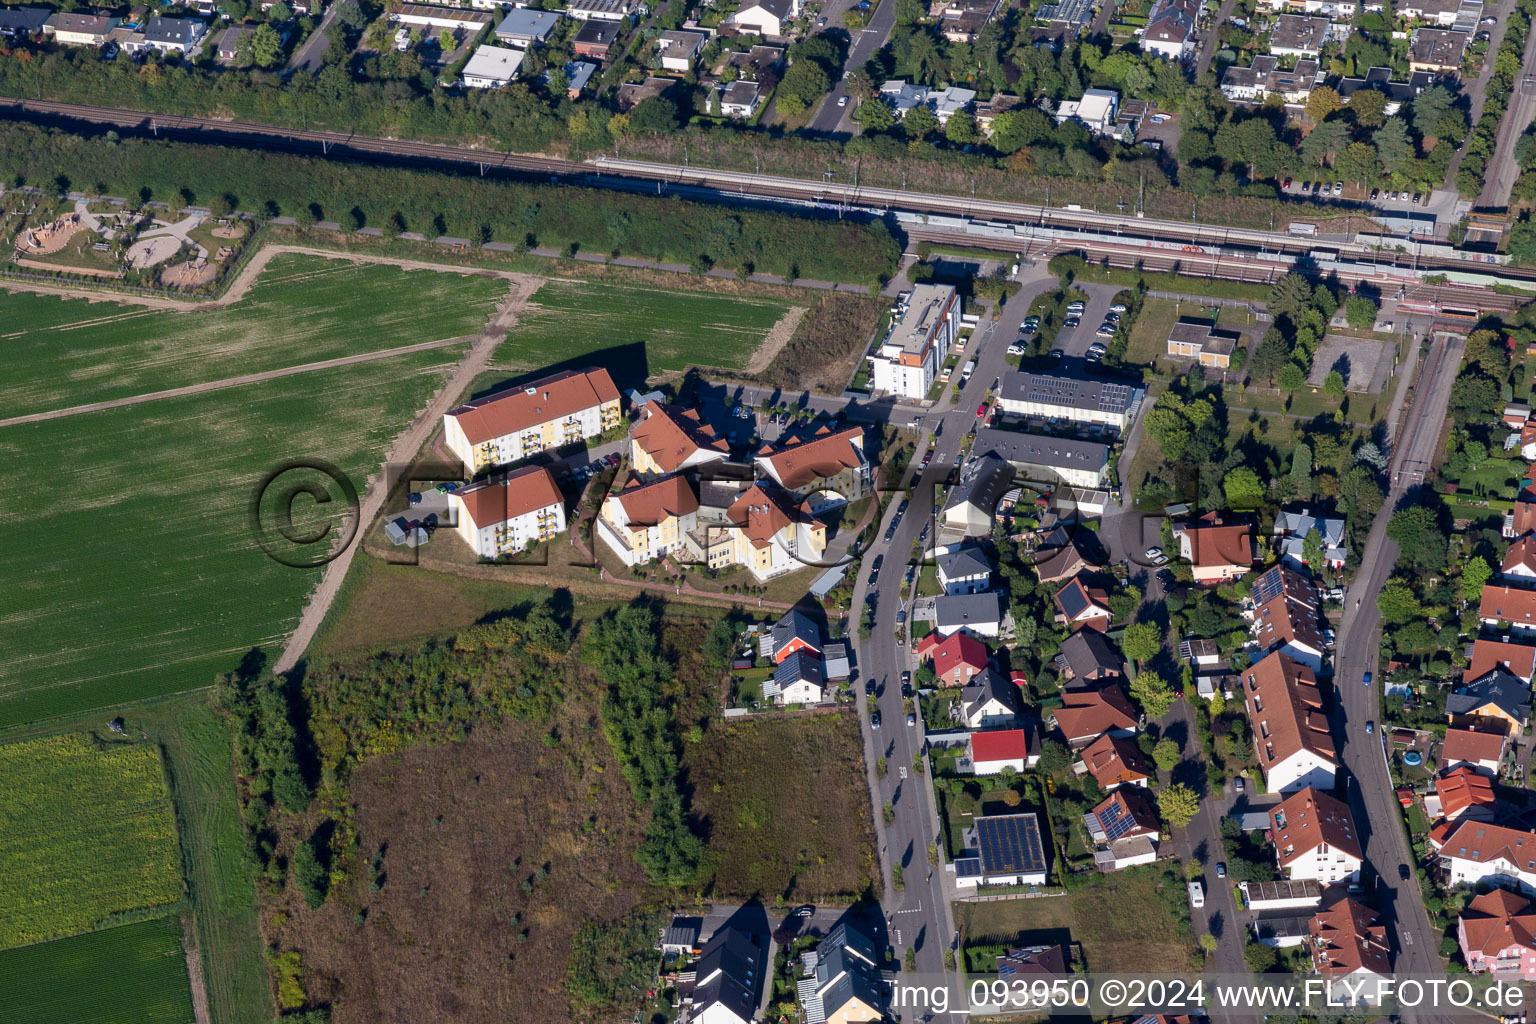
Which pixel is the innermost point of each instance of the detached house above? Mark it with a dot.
(767, 18)
(1080, 605)
(992, 750)
(957, 659)
(1461, 793)
(978, 614)
(800, 679)
(731, 974)
(1087, 657)
(1170, 29)
(518, 422)
(1216, 551)
(1295, 527)
(990, 702)
(1315, 838)
(1519, 660)
(1291, 733)
(1478, 851)
(1115, 761)
(1064, 553)
(963, 569)
(1085, 715)
(502, 516)
(1126, 829)
(1497, 934)
(79, 28)
(845, 984)
(174, 35)
(1519, 565)
(1478, 749)
(793, 634)
(971, 505)
(1496, 699)
(1505, 604)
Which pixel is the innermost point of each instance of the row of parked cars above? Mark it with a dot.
(591, 469)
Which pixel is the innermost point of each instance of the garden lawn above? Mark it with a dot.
(60, 353)
(85, 832)
(141, 575)
(636, 332)
(135, 974)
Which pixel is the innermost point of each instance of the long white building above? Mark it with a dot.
(907, 362)
(1080, 401)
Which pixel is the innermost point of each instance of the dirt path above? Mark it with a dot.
(778, 336)
(195, 971)
(247, 276)
(230, 382)
(406, 446)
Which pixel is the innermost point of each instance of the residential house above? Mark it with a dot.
(1085, 715)
(1436, 50)
(1478, 749)
(1296, 527)
(680, 49)
(1497, 699)
(1096, 110)
(596, 39)
(1397, 93)
(577, 74)
(1088, 657)
(845, 985)
(1435, 12)
(518, 422)
(986, 111)
(1286, 616)
(1051, 397)
(1341, 9)
(992, 750)
(730, 975)
(829, 468)
(1010, 851)
(1477, 852)
(902, 96)
(613, 11)
(491, 67)
(80, 28)
(767, 18)
(1315, 838)
(642, 522)
(1067, 550)
(990, 702)
(1051, 461)
(673, 439)
(503, 515)
(1461, 793)
(1126, 830)
(227, 49)
(760, 64)
(524, 27)
(1497, 934)
(979, 614)
(800, 679)
(1290, 729)
(765, 530)
(957, 659)
(1033, 962)
(907, 362)
(1170, 29)
(631, 94)
(1349, 949)
(682, 936)
(741, 99)
(793, 634)
(1295, 35)
(23, 22)
(1115, 761)
(963, 569)
(1505, 604)
(1216, 550)
(1078, 604)
(961, 21)
(1518, 660)
(971, 504)
(1259, 81)
(1200, 340)
(1519, 565)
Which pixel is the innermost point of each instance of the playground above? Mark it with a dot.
(50, 238)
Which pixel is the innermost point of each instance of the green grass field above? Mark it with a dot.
(637, 332)
(141, 575)
(136, 974)
(84, 833)
(60, 353)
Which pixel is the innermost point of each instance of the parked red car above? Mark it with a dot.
(981, 410)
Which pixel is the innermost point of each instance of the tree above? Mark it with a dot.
(1154, 695)
(919, 122)
(1012, 130)
(1321, 103)
(806, 80)
(279, 13)
(1270, 355)
(1333, 385)
(1393, 146)
(1055, 758)
(1166, 754)
(1243, 489)
(874, 116)
(221, 205)
(1208, 943)
(1301, 468)
(1324, 141)
(1397, 603)
(1289, 296)
(1141, 642)
(1358, 163)
(1360, 312)
(961, 129)
(1259, 957)
(653, 115)
(1419, 537)
(309, 874)
(1178, 805)
(445, 41)
(1370, 454)
(1474, 575)
(1291, 378)
(1312, 550)
(1124, 602)
(1369, 107)
(1429, 107)
(266, 47)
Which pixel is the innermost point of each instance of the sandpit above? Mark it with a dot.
(50, 238)
(148, 252)
(191, 274)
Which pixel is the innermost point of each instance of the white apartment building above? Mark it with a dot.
(643, 522)
(1290, 729)
(501, 516)
(1477, 851)
(1315, 839)
(907, 362)
(523, 421)
(1079, 401)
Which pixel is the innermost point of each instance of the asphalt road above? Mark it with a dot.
(311, 55)
(1367, 784)
(919, 916)
(832, 118)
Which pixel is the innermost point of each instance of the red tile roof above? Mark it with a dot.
(1115, 760)
(1498, 920)
(1488, 655)
(954, 651)
(763, 512)
(1291, 615)
(1292, 710)
(518, 408)
(1472, 745)
(999, 745)
(652, 504)
(1348, 937)
(1213, 545)
(670, 434)
(1485, 843)
(797, 462)
(1311, 818)
(1462, 789)
(1088, 713)
(1521, 555)
(504, 498)
(1508, 604)
(1132, 802)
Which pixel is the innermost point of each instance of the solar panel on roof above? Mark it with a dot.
(1116, 822)
(1011, 844)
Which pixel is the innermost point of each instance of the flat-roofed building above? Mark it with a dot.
(1049, 396)
(907, 361)
(1201, 341)
(1048, 460)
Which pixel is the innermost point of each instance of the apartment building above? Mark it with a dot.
(1474, 852)
(671, 439)
(522, 421)
(1315, 838)
(1286, 616)
(504, 515)
(907, 361)
(829, 468)
(642, 522)
(1091, 402)
(1290, 728)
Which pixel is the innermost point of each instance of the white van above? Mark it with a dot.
(1196, 895)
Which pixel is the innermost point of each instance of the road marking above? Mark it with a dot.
(1407, 938)
(903, 772)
